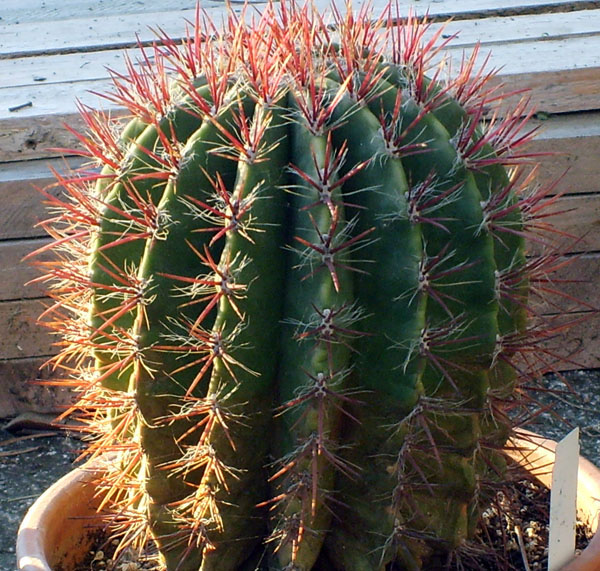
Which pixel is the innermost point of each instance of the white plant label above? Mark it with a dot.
(563, 502)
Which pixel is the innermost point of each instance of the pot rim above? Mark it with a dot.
(34, 539)
(528, 447)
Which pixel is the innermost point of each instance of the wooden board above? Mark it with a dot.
(578, 345)
(544, 67)
(577, 283)
(117, 33)
(24, 338)
(577, 215)
(15, 273)
(555, 87)
(576, 223)
(552, 53)
(22, 11)
(20, 391)
(79, 62)
(572, 139)
(23, 205)
(571, 144)
(21, 335)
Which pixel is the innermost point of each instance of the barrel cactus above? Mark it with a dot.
(292, 292)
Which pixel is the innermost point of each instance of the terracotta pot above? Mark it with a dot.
(537, 452)
(57, 530)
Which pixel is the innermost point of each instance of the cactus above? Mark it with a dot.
(293, 292)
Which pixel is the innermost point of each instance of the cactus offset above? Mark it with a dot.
(293, 295)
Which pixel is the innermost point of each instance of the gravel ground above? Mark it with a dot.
(568, 408)
(28, 466)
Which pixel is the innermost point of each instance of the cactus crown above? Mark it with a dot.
(294, 292)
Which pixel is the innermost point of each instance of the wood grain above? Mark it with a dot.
(23, 205)
(25, 138)
(15, 273)
(547, 68)
(21, 392)
(578, 345)
(573, 288)
(21, 335)
(17, 11)
(576, 223)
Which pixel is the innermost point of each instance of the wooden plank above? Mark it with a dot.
(556, 86)
(16, 11)
(21, 392)
(86, 65)
(577, 282)
(574, 141)
(469, 9)
(22, 203)
(575, 215)
(19, 12)
(493, 31)
(121, 31)
(107, 33)
(578, 347)
(64, 68)
(44, 105)
(580, 344)
(21, 335)
(22, 210)
(36, 137)
(560, 91)
(28, 136)
(15, 273)
(577, 219)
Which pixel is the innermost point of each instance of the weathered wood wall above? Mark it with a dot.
(52, 53)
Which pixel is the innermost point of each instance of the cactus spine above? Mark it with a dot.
(293, 296)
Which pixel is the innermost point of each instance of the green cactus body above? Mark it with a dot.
(120, 239)
(315, 351)
(306, 287)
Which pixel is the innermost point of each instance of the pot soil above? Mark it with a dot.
(60, 529)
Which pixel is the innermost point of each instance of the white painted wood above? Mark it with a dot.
(31, 171)
(120, 30)
(563, 502)
(458, 7)
(14, 11)
(87, 34)
(549, 60)
(64, 68)
(569, 126)
(22, 11)
(90, 65)
(533, 57)
(53, 99)
(499, 30)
